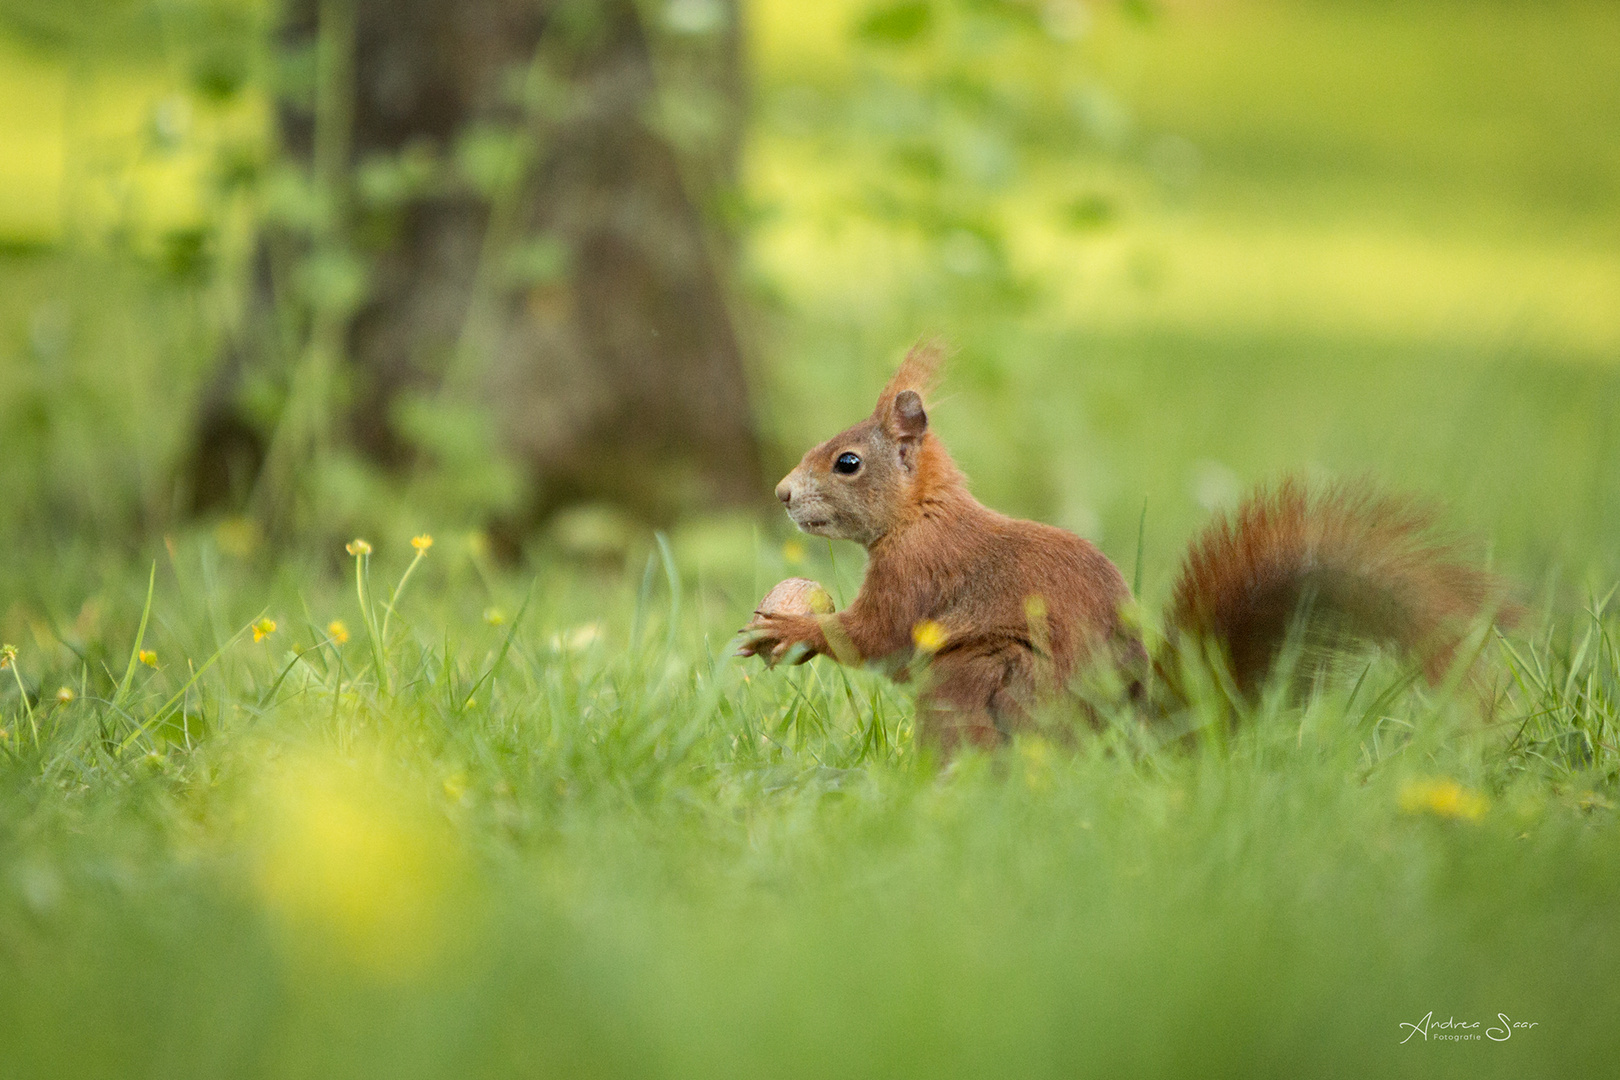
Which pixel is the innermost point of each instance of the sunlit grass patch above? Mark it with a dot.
(90, 151)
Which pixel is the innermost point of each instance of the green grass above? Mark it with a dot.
(582, 841)
(585, 842)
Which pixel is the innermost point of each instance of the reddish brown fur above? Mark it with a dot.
(1362, 562)
(919, 372)
(936, 555)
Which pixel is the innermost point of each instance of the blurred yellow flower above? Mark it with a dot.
(821, 601)
(337, 632)
(1442, 797)
(65, 695)
(422, 543)
(147, 657)
(793, 553)
(357, 547)
(263, 629)
(8, 654)
(356, 868)
(929, 636)
(1038, 759)
(494, 616)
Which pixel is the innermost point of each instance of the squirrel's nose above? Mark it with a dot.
(784, 491)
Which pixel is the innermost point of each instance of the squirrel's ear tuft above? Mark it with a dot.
(918, 373)
(907, 420)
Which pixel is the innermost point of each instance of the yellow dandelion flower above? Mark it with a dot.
(1442, 798)
(338, 632)
(263, 629)
(422, 543)
(793, 553)
(357, 547)
(65, 695)
(929, 636)
(147, 657)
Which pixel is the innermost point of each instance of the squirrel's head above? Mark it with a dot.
(860, 484)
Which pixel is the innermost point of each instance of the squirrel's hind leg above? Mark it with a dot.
(979, 697)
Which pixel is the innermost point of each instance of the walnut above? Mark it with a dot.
(796, 596)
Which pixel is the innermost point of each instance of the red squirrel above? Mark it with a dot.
(1006, 612)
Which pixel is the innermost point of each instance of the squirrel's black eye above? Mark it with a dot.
(848, 464)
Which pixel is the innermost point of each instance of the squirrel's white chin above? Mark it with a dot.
(816, 526)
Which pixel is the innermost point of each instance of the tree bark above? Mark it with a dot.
(622, 378)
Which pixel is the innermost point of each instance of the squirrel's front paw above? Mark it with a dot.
(773, 639)
(783, 620)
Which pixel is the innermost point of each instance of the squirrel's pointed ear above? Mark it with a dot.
(906, 419)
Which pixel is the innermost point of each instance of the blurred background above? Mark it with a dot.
(564, 271)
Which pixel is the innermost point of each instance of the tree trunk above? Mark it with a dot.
(619, 377)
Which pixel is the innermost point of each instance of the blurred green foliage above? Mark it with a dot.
(1170, 243)
(1231, 240)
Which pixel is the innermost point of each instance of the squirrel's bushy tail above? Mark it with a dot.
(1348, 561)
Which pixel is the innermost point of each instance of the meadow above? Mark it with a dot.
(403, 809)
